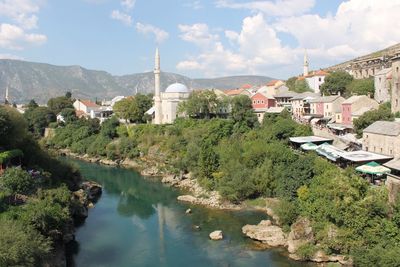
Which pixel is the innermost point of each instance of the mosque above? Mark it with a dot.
(166, 103)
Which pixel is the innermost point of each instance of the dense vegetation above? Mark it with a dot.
(245, 160)
(383, 113)
(35, 196)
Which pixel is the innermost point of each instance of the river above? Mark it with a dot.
(139, 222)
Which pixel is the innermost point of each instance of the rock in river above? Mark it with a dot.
(216, 235)
(265, 232)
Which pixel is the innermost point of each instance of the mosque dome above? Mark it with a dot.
(177, 88)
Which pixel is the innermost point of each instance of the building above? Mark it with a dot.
(382, 137)
(355, 106)
(261, 103)
(85, 106)
(382, 84)
(112, 102)
(326, 106)
(301, 104)
(395, 98)
(166, 103)
(316, 79)
(285, 99)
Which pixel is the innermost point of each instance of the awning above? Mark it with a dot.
(315, 120)
(373, 168)
(309, 146)
(339, 128)
(329, 151)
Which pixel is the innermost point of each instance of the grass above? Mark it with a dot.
(257, 202)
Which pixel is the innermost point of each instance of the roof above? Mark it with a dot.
(177, 88)
(383, 71)
(353, 99)
(89, 103)
(390, 128)
(246, 86)
(273, 82)
(364, 156)
(305, 94)
(287, 94)
(359, 112)
(275, 109)
(151, 111)
(394, 164)
(309, 139)
(233, 92)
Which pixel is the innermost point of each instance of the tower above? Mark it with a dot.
(6, 98)
(157, 94)
(305, 65)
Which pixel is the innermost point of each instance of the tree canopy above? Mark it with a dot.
(203, 105)
(133, 109)
(361, 87)
(336, 82)
(383, 113)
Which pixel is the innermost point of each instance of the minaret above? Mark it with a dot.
(305, 66)
(157, 94)
(6, 99)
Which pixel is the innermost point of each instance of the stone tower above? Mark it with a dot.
(157, 93)
(305, 65)
(7, 98)
(395, 99)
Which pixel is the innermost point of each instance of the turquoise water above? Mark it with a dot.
(138, 222)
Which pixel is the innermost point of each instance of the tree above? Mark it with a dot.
(32, 104)
(383, 113)
(59, 103)
(336, 82)
(21, 245)
(38, 119)
(242, 113)
(361, 87)
(144, 103)
(201, 104)
(69, 115)
(17, 181)
(68, 95)
(301, 86)
(291, 83)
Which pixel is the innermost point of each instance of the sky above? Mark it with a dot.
(198, 38)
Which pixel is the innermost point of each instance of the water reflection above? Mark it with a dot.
(138, 222)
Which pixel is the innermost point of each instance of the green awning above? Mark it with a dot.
(373, 168)
(309, 146)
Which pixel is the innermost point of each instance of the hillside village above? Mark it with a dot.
(332, 116)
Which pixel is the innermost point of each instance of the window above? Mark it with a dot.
(366, 148)
(366, 136)
(391, 152)
(381, 150)
(397, 102)
(320, 79)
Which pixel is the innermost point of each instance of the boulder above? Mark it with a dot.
(188, 211)
(92, 189)
(301, 233)
(187, 198)
(216, 235)
(265, 232)
(170, 179)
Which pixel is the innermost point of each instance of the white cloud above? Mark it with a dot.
(159, 34)
(122, 17)
(198, 34)
(271, 8)
(128, 4)
(356, 28)
(196, 5)
(21, 12)
(10, 56)
(255, 48)
(15, 38)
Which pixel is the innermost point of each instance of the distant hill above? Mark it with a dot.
(39, 81)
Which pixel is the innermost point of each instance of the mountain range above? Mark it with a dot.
(40, 81)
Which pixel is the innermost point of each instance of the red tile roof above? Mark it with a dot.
(246, 86)
(89, 104)
(272, 83)
(233, 92)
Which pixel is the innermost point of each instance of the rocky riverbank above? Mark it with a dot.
(84, 199)
(300, 236)
(267, 232)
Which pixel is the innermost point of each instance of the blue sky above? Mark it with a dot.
(201, 38)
